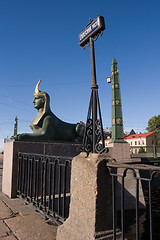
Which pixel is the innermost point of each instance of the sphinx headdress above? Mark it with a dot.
(37, 91)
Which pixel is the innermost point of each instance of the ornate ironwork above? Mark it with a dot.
(93, 140)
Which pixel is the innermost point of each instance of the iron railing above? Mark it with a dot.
(146, 174)
(145, 151)
(45, 181)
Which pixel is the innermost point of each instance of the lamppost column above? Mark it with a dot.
(93, 140)
(94, 88)
(93, 67)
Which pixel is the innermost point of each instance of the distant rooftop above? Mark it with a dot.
(139, 135)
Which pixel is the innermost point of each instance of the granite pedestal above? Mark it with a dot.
(121, 153)
(90, 214)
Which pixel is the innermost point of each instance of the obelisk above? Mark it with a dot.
(117, 119)
(15, 126)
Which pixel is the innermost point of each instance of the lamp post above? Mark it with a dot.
(93, 140)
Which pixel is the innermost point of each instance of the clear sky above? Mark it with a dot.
(39, 39)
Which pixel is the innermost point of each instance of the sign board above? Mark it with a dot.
(96, 26)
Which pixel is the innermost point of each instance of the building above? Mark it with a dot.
(142, 141)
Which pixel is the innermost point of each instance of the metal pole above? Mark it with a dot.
(114, 207)
(94, 88)
(93, 68)
(150, 209)
(122, 207)
(137, 209)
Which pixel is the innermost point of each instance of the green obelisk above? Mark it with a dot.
(117, 120)
(15, 126)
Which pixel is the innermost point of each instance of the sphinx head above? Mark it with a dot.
(41, 103)
(41, 99)
(38, 102)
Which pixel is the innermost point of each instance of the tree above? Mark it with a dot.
(154, 124)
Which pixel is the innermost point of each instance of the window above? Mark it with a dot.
(131, 143)
(139, 143)
(135, 142)
(142, 142)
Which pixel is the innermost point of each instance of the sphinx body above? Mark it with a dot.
(48, 127)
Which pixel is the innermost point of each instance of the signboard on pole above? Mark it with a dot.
(93, 28)
(93, 140)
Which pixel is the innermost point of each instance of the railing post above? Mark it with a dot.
(137, 209)
(154, 151)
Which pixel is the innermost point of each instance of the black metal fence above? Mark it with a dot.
(145, 151)
(45, 181)
(147, 175)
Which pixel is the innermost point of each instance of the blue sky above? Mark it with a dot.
(39, 39)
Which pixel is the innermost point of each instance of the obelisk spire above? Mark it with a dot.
(117, 120)
(15, 126)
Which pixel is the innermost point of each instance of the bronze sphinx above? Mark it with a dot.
(48, 127)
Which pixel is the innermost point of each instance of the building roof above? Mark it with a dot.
(132, 132)
(139, 135)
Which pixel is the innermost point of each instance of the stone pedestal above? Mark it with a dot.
(119, 151)
(10, 161)
(90, 214)
(129, 190)
(10, 168)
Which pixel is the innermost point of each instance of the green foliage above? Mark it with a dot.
(154, 124)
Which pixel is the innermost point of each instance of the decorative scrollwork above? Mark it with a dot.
(99, 147)
(89, 123)
(87, 141)
(97, 132)
(87, 148)
(89, 129)
(93, 139)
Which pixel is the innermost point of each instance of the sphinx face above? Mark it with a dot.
(38, 102)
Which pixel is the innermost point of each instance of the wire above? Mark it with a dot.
(6, 104)
(15, 100)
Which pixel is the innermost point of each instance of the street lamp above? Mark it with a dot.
(109, 79)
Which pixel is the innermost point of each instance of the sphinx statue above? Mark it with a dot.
(47, 127)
